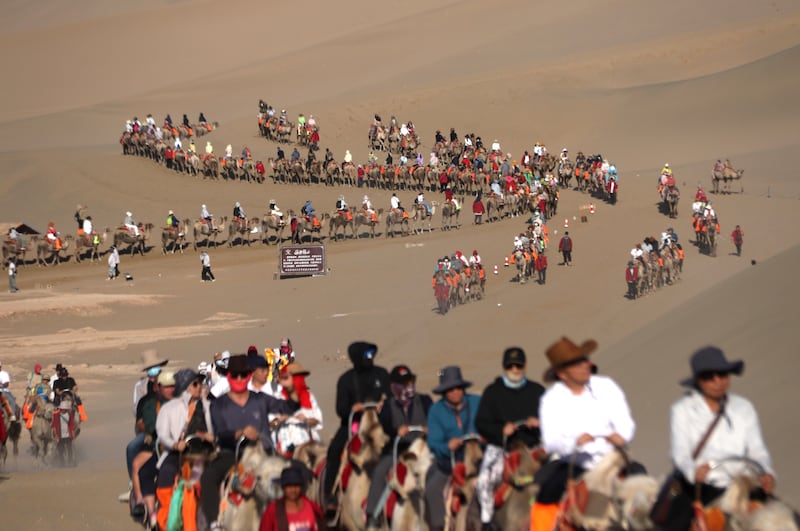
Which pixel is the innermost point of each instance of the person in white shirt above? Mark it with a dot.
(306, 424)
(395, 202)
(736, 434)
(209, 148)
(113, 263)
(403, 130)
(475, 259)
(348, 158)
(258, 380)
(5, 378)
(367, 205)
(583, 416)
(467, 141)
(130, 224)
(496, 146)
(178, 143)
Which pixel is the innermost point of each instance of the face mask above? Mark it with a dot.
(152, 372)
(512, 384)
(238, 385)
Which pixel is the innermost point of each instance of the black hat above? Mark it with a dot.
(292, 476)
(238, 363)
(401, 374)
(450, 378)
(513, 356)
(711, 359)
(256, 361)
(183, 379)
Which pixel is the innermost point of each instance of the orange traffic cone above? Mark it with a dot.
(566, 223)
(591, 208)
(505, 264)
(495, 269)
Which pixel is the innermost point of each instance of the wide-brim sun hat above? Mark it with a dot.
(450, 378)
(711, 359)
(151, 359)
(563, 352)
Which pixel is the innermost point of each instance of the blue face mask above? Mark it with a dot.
(152, 372)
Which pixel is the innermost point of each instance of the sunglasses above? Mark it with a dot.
(578, 361)
(196, 383)
(240, 375)
(710, 375)
(515, 366)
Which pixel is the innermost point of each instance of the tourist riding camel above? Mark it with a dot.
(274, 210)
(207, 217)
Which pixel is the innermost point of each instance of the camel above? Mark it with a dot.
(45, 250)
(89, 244)
(13, 431)
(301, 224)
(14, 249)
(495, 208)
(42, 428)
(65, 452)
(172, 237)
(211, 166)
(284, 132)
(335, 221)
(477, 282)
(413, 465)
(422, 217)
(522, 261)
(461, 490)
(364, 451)
(201, 231)
(249, 488)
(242, 230)
(518, 488)
(313, 455)
(671, 197)
(272, 223)
(565, 172)
(134, 243)
(371, 221)
(450, 215)
(726, 174)
(395, 218)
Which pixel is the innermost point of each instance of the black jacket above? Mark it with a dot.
(365, 384)
(500, 404)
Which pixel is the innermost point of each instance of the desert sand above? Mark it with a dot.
(641, 82)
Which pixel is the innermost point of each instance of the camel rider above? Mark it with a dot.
(497, 190)
(411, 128)
(168, 121)
(16, 238)
(178, 144)
(310, 159)
(207, 216)
(403, 159)
(348, 158)
(228, 151)
(366, 204)
(202, 118)
(420, 200)
(312, 123)
(209, 148)
(301, 122)
(281, 155)
(439, 137)
(192, 146)
(295, 156)
(186, 121)
(130, 224)
(395, 204)
(672, 235)
(66, 384)
(88, 228)
(172, 221)
(701, 195)
(463, 259)
(709, 213)
(275, 211)
(434, 160)
(282, 117)
(246, 154)
(308, 210)
(475, 259)
(238, 215)
(341, 207)
(328, 156)
(666, 170)
(420, 160)
(564, 156)
(262, 106)
(270, 111)
(372, 158)
(53, 236)
(450, 197)
(376, 122)
(403, 130)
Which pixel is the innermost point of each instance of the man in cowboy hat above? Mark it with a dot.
(737, 435)
(449, 420)
(365, 382)
(508, 412)
(145, 387)
(582, 414)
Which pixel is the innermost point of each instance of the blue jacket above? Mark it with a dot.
(442, 427)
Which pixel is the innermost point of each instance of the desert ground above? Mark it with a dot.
(641, 82)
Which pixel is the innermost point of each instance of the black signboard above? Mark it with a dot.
(297, 260)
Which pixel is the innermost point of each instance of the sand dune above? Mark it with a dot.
(643, 83)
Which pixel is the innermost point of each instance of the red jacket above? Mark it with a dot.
(632, 274)
(541, 262)
(477, 207)
(270, 519)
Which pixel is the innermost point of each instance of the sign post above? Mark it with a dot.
(302, 260)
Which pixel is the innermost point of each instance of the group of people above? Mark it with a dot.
(649, 254)
(580, 419)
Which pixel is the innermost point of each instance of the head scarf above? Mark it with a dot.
(301, 388)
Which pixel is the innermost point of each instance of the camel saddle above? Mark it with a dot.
(511, 479)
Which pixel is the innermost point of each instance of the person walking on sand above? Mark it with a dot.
(738, 238)
(206, 274)
(565, 247)
(113, 263)
(12, 275)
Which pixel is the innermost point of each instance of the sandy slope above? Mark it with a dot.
(641, 82)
